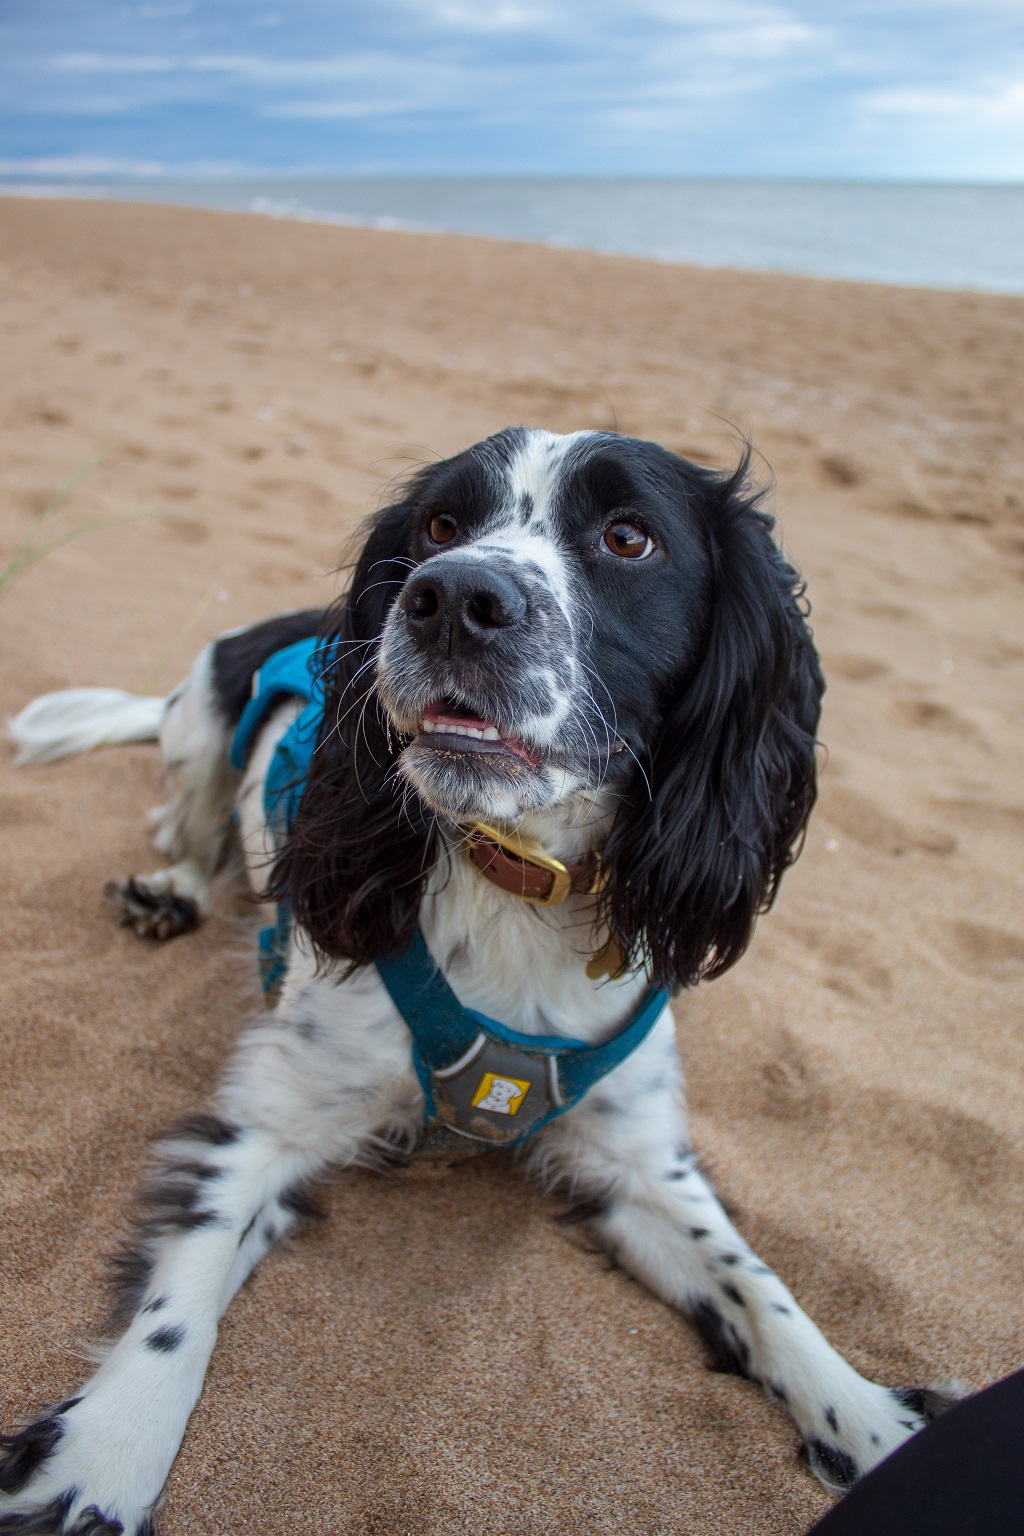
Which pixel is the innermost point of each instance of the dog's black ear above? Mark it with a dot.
(356, 860)
(697, 854)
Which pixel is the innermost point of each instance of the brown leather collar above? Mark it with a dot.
(521, 867)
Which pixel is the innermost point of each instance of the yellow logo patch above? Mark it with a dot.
(501, 1095)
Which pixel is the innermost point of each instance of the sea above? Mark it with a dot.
(924, 234)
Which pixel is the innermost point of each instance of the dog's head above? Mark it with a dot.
(545, 621)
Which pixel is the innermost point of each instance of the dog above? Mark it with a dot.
(559, 750)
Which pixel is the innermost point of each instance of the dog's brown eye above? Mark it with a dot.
(442, 528)
(627, 541)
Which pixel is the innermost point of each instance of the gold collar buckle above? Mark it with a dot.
(529, 852)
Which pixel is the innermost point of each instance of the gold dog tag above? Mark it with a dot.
(608, 961)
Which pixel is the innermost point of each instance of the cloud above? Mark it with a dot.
(80, 165)
(1004, 104)
(112, 64)
(326, 111)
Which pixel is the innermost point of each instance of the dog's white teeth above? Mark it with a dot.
(449, 728)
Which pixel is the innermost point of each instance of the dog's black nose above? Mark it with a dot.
(461, 603)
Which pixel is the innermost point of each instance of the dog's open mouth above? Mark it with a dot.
(446, 728)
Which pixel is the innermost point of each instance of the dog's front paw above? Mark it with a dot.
(853, 1438)
(152, 912)
(50, 1485)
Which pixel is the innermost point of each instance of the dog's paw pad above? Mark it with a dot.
(152, 914)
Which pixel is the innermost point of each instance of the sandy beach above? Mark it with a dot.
(440, 1356)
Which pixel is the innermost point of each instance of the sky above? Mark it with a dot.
(815, 88)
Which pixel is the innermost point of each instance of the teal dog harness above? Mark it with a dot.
(482, 1082)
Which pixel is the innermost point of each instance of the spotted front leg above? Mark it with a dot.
(306, 1091)
(625, 1151)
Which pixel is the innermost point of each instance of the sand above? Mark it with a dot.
(442, 1357)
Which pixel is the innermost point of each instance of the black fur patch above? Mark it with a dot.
(168, 1204)
(698, 1232)
(203, 1126)
(195, 1170)
(837, 1468)
(728, 1289)
(592, 1208)
(93, 1522)
(22, 1454)
(131, 1269)
(832, 1420)
(929, 1402)
(729, 1353)
(729, 1258)
(778, 1393)
(41, 1522)
(777, 1306)
(238, 657)
(300, 1202)
(166, 1340)
(156, 1304)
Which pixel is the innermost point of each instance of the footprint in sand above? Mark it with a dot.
(791, 1088)
(983, 816)
(970, 1147)
(47, 414)
(186, 530)
(852, 966)
(893, 612)
(931, 715)
(17, 811)
(855, 669)
(278, 540)
(983, 949)
(839, 469)
(868, 824)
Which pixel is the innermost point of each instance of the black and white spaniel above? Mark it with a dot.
(595, 649)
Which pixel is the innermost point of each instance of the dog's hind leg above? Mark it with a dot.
(193, 825)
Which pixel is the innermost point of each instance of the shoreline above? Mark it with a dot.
(397, 224)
